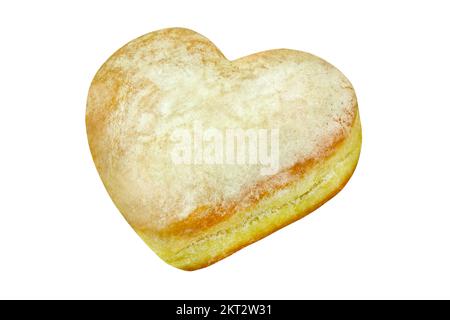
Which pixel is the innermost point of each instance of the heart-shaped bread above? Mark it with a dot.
(174, 89)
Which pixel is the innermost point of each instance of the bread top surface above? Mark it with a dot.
(173, 78)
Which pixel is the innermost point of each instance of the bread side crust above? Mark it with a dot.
(319, 182)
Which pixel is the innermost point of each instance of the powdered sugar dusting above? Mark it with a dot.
(179, 78)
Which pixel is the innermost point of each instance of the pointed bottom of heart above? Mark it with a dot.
(317, 185)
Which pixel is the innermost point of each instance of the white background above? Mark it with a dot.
(386, 235)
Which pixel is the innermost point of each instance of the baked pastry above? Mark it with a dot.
(196, 209)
